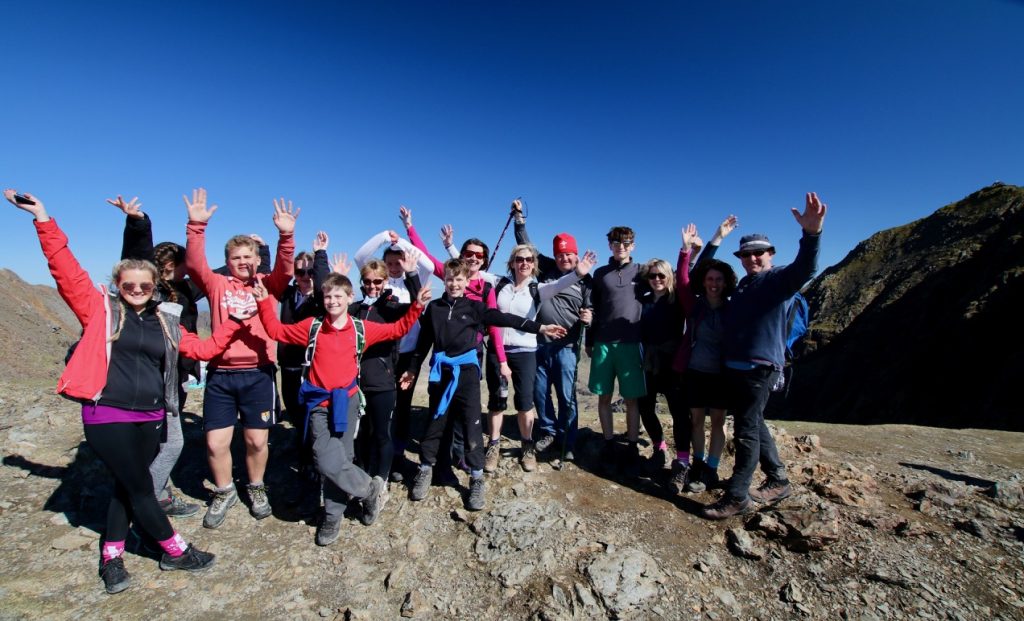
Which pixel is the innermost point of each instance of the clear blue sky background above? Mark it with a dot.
(648, 114)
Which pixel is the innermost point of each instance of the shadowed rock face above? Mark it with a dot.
(918, 324)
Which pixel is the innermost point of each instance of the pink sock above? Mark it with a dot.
(662, 446)
(175, 546)
(112, 550)
(683, 457)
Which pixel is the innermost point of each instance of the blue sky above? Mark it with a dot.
(647, 114)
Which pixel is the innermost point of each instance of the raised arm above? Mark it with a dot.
(406, 215)
(291, 334)
(73, 282)
(684, 292)
(284, 266)
(369, 249)
(137, 240)
(321, 265)
(195, 240)
(811, 221)
(548, 290)
(199, 349)
(447, 238)
(377, 332)
(727, 226)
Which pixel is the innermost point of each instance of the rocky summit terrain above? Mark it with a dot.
(918, 323)
(886, 522)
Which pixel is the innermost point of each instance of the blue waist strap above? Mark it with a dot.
(455, 363)
(311, 395)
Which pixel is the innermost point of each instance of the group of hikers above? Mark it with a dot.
(706, 340)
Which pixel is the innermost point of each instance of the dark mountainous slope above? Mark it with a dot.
(922, 323)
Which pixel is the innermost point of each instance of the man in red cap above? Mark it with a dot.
(557, 358)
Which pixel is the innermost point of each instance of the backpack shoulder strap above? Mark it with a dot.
(535, 292)
(314, 332)
(360, 337)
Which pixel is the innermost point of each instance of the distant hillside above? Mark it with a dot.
(36, 328)
(918, 325)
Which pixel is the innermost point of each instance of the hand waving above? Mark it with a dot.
(284, 216)
(197, 211)
(813, 217)
(132, 209)
(320, 241)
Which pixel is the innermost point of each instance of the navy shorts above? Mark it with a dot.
(249, 395)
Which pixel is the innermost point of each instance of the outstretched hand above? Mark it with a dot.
(405, 215)
(550, 330)
(727, 226)
(586, 263)
(132, 209)
(393, 236)
(689, 234)
(36, 208)
(197, 211)
(320, 241)
(406, 380)
(259, 292)
(340, 264)
(447, 235)
(813, 217)
(410, 259)
(284, 216)
(517, 207)
(424, 295)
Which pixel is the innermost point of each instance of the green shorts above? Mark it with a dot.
(622, 360)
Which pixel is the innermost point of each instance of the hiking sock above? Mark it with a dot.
(712, 462)
(698, 456)
(175, 546)
(661, 446)
(476, 474)
(112, 550)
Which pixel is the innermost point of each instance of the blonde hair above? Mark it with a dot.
(516, 250)
(662, 267)
(115, 280)
(239, 241)
(374, 268)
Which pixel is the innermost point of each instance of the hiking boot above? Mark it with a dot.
(658, 461)
(260, 507)
(607, 460)
(191, 560)
(680, 477)
(569, 456)
(710, 477)
(771, 492)
(544, 443)
(492, 456)
(375, 501)
(174, 506)
(727, 507)
(328, 532)
(421, 484)
(695, 483)
(218, 509)
(115, 577)
(396, 476)
(476, 494)
(528, 460)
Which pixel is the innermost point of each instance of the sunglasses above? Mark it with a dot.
(524, 259)
(303, 272)
(655, 276)
(746, 254)
(373, 281)
(621, 244)
(469, 254)
(129, 287)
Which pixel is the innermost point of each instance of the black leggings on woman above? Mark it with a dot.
(667, 385)
(376, 448)
(127, 449)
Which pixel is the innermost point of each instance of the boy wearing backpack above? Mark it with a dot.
(330, 393)
(451, 326)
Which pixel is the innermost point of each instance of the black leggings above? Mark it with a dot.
(667, 385)
(374, 445)
(127, 449)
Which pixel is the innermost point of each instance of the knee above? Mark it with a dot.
(256, 444)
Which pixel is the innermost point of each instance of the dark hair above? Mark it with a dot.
(335, 280)
(164, 253)
(303, 256)
(621, 234)
(476, 242)
(457, 267)
(702, 269)
(393, 251)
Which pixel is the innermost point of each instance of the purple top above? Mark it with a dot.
(93, 414)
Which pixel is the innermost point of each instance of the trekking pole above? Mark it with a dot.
(511, 214)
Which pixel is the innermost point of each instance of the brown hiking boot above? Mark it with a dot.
(529, 457)
(727, 507)
(492, 457)
(771, 492)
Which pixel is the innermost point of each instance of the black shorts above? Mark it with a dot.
(705, 390)
(492, 372)
(524, 375)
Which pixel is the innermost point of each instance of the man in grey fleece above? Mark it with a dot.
(754, 352)
(557, 359)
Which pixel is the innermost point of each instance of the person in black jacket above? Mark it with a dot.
(452, 326)
(377, 369)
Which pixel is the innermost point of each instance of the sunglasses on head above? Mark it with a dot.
(527, 259)
(746, 254)
(469, 254)
(129, 287)
(373, 281)
(655, 276)
(303, 272)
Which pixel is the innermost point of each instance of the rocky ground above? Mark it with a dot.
(887, 522)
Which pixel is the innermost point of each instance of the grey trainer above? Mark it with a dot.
(421, 484)
(218, 509)
(375, 501)
(260, 507)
